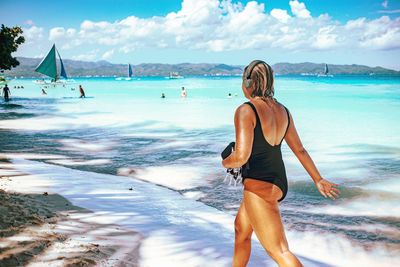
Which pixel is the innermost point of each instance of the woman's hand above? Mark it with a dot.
(327, 189)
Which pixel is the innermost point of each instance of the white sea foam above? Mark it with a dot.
(173, 176)
(194, 194)
(380, 206)
(339, 251)
(31, 156)
(388, 185)
(82, 145)
(76, 162)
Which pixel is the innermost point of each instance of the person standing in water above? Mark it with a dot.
(261, 125)
(82, 92)
(162, 95)
(6, 93)
(183, 93)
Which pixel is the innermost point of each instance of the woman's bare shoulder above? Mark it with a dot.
(244, 109)
(244, 112)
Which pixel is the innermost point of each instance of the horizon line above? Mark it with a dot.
(239, 65)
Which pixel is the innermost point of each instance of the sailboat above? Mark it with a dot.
(326, 72)
(127, 78)
(48, 67)
(174, 75)
(129, 73)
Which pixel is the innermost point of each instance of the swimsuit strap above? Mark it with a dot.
(255, 111)
(258, 128)
(287, 127)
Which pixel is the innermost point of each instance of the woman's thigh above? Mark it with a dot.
(266, 222)
(243, 229)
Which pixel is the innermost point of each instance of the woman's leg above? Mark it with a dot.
(243, 232)
(266, 222)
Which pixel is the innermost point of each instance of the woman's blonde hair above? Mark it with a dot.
(262, 79)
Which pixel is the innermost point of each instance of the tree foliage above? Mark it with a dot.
(10, 39)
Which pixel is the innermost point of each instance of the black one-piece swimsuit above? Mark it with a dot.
(265, 162)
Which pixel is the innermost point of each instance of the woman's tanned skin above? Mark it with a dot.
(259, 210)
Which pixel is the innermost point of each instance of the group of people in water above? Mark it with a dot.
(7, 93)
(183, 93)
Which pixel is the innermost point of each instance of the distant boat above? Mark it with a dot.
(129, 73)
(174, 75)
(127, 78)
(48, 67)
(326, 72)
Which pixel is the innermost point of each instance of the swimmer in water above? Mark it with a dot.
(183, 93)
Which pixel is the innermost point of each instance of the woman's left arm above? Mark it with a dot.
(244, 128)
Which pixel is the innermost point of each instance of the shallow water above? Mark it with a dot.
(349, 125)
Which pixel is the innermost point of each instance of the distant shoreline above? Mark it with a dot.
(219, 77)
(106, 69)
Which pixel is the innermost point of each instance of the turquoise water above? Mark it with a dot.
(349, 125)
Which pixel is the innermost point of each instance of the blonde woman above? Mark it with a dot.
(261, 125)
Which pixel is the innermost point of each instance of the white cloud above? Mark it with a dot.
(56, 33)
(326, 38)
(221, 25)
(280, 14)
(382, 33)
(299, 9)
(108, 54)
(355, 24)
(32, 34)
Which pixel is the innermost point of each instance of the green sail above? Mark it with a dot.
(48, 65)
(63, 73)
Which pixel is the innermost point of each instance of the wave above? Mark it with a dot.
(340, 251)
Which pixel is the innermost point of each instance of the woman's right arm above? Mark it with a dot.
(293, 140)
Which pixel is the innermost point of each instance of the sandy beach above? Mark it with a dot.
(42, 228)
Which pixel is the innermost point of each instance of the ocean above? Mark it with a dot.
(349, 125)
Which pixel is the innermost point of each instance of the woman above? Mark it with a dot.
(261, 125)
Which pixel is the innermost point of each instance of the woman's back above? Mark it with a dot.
(274, 120)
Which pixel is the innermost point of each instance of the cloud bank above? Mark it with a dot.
(215, 25)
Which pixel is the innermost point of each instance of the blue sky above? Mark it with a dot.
(233, 32)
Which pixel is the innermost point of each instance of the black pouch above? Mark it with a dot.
(234, 174)
(228, 150)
